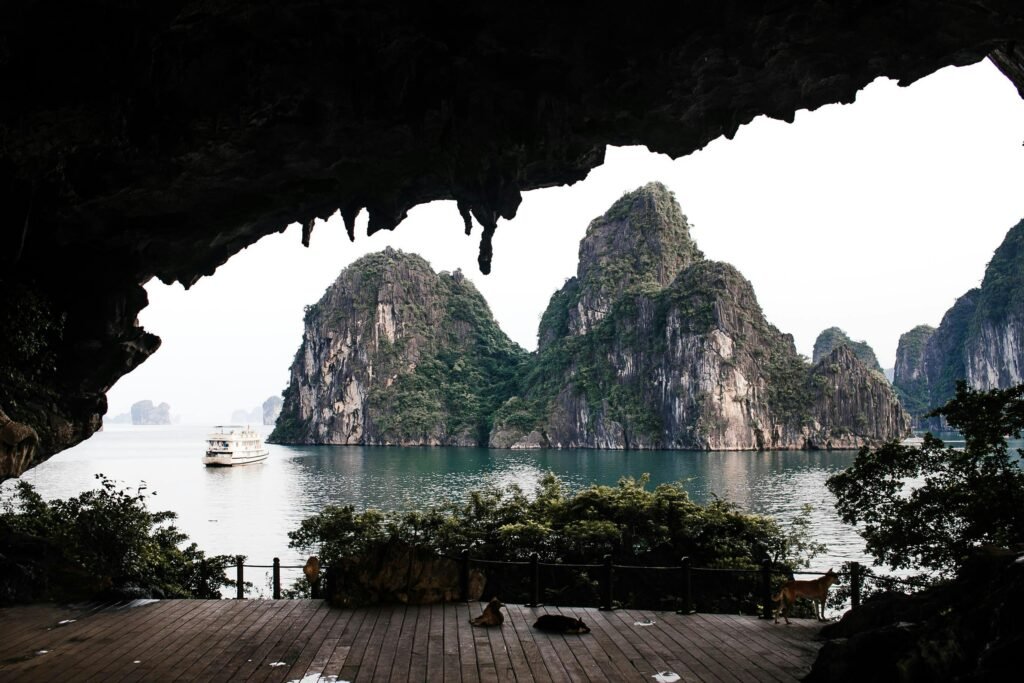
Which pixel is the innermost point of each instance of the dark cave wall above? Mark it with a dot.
(159, 138)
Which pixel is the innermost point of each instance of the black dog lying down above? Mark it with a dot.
(556, 623)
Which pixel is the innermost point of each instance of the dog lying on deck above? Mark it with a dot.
(815, 590)
(557, 623)
(491, 616)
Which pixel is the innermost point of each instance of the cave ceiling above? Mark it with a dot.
(158, 138)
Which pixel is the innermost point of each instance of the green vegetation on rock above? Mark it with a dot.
(833, 337)
(430, 363)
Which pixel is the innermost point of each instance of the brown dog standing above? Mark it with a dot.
(815, 590)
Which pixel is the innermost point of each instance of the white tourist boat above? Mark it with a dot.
(229, 445)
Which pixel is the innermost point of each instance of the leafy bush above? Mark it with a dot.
(105, 543)
(633, 524)
(926, 508)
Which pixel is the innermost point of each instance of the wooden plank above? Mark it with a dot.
(385, 646)
(612, 653)
(594, 663)
(546, 651)
(237, 640)
(247, 636)
(357, 650)
(315, 653)
(435, 644)
(452, 662)
(474, 646)
(507, 653)
(206, 634)
(692, 639)
(154, 651)
(648, 648)
(61, 642)
(375, 642)
(215, 648)
(255, 642)
(521, 621)
(291, 642)
(273, 648)
(767, 646)
(402, 655)
(123, 631)
(419, 653)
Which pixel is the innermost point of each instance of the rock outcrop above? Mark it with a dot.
(980, 339)
(145, 413)
(833, 337)
(395, 353)
(652, 346)
(164, 137)
(271, 409)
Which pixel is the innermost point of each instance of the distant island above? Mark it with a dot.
(266, 413)
(649, 346)
(145, 413)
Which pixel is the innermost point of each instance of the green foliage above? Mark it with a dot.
(110, 536)
(632, 523)
(832, 337)
(1002, 290)
(926, 508)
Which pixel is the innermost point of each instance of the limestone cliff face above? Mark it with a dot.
(833, 337)
(271, 409)
(396, 354)
(980, 339)
(673, 351)
(910, 376)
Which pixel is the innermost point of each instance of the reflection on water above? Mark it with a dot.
(249, 510)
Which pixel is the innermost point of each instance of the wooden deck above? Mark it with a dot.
(304, 640)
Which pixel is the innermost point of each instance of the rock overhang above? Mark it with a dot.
(160, 138)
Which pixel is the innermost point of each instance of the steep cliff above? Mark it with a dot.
(980, 339)
(395, 353)
(910, 378)
(652, 346)
(271, 409)
(833, 337)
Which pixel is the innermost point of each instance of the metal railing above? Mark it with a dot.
(275, 568)
(607, 578)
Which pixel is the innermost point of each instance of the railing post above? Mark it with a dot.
(685, 588)
(277, 578)
(766, 589)
(240, 577)
(314, 589)
(534, 580)
(854, 585)
(607, 589)
(464, 576)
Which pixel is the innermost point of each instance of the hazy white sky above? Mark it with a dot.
(874, 217)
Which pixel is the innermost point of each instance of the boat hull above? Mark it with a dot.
(228, 460)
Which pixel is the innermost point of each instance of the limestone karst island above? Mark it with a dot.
(649, 346)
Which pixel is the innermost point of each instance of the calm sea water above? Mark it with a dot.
(249, 510)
